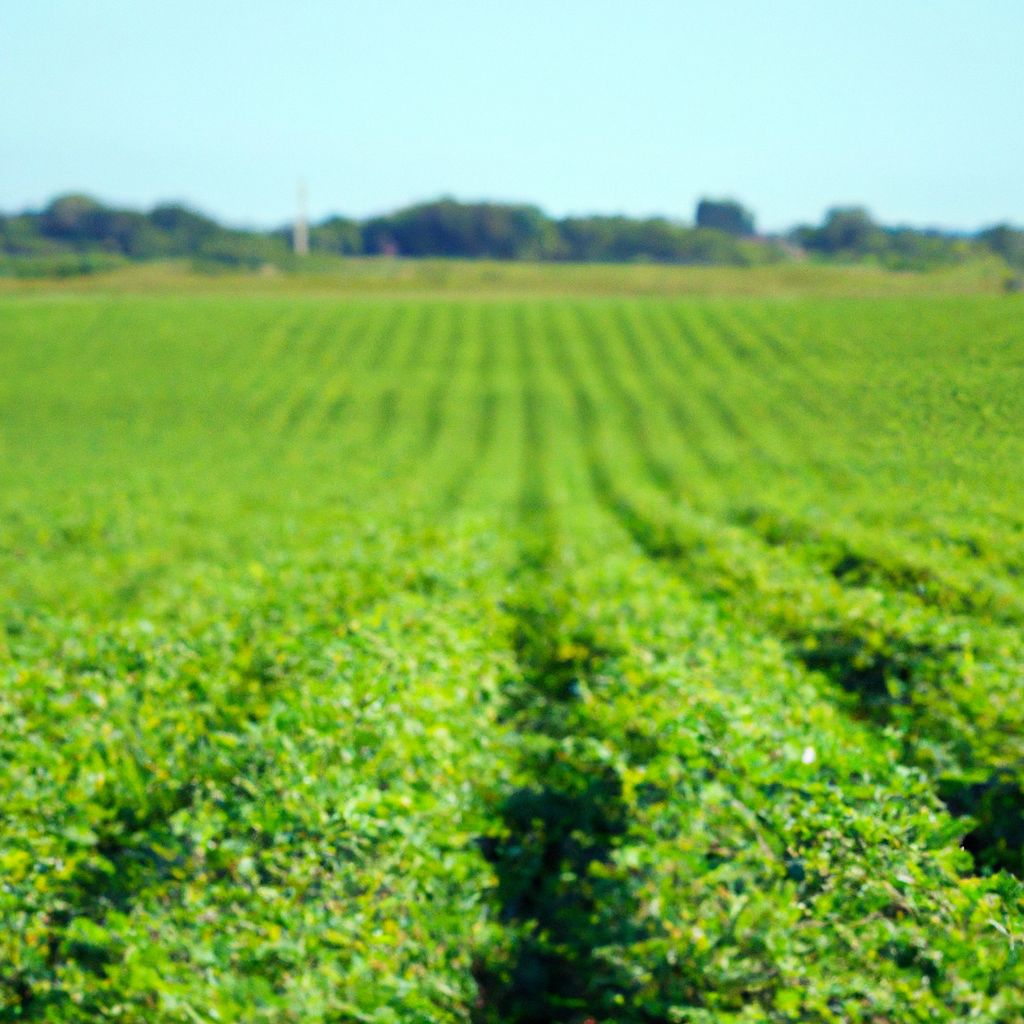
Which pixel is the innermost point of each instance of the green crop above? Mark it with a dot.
(493, 659)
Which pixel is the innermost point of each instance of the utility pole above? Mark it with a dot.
(300, 231)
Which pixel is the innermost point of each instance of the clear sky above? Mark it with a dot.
(914, 108)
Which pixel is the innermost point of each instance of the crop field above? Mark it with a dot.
(511, 659)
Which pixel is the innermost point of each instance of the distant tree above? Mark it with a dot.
(848, 231)
(1006, 241)
(337, 235)
(129, 233)
(83, 223)
(725, 215)
(185, 227)
(450, 228)
(76, 230)
(914, 249)
(71, 217)
(657, 240)
(21, 236)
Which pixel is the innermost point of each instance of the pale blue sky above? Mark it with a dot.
(912, 107)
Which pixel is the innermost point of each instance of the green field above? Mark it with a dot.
(512, 658)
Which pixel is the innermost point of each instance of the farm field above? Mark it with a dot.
(511, 658)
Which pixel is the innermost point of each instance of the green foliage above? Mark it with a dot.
(1007, 241)
(623, 240)
(449, 228)
(725, 215)
(62, 265)
(851, 234)
(79, 225)
(337, 235)
(539, 659)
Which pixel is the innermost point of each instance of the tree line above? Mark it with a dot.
(81, 233)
